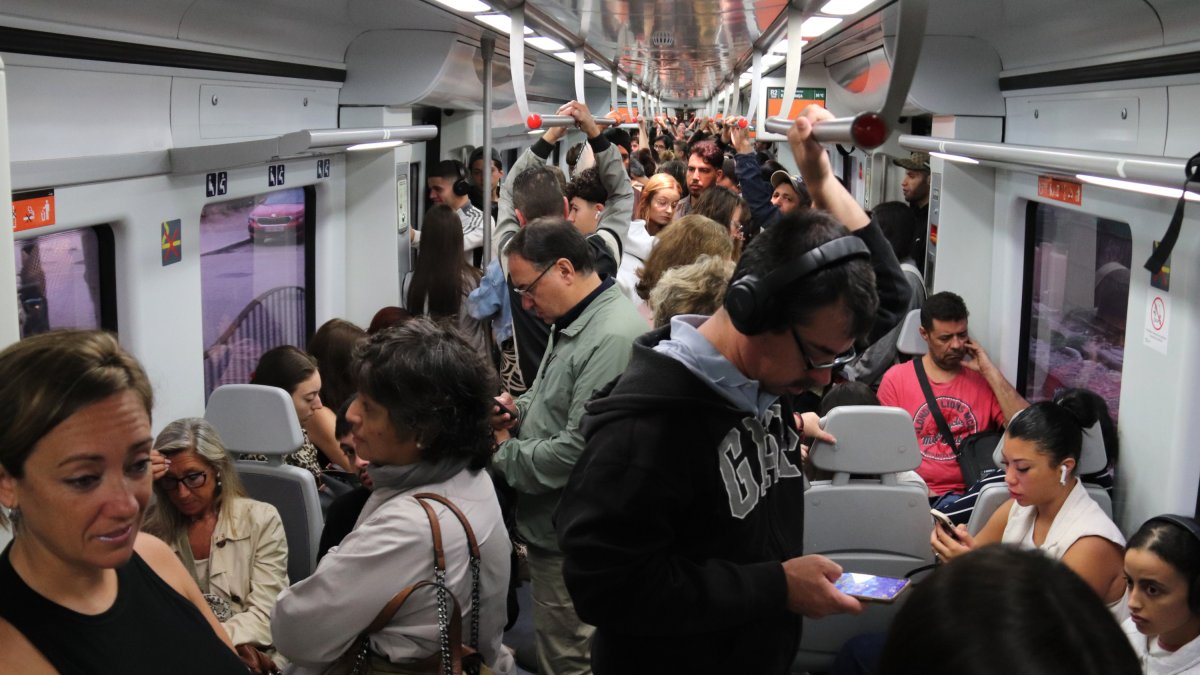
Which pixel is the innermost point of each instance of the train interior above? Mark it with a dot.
(171, 180)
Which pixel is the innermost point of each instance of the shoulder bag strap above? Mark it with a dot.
(931, 400)
(476, 558)
(451, 659)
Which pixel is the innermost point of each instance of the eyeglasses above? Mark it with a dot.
(664, 203)
(846, 357)
(528, 290)
(192, 481)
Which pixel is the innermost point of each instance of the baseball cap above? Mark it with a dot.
(918, 161)
(784, 177)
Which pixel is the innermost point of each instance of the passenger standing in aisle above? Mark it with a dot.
(682, 524)
(592, 327)
(916, 192)
(448, 185)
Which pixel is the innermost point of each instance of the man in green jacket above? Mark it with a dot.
(592, 328)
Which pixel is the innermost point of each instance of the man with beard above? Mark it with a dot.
(704, 170)
(682, 523)
(970, 390)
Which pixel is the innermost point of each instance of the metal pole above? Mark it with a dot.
(488, 46)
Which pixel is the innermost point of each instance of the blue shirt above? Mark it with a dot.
(687, 346)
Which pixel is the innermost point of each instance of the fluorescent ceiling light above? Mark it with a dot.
(465, 5)
(745, 77)
(569, 57)
(954, 158)
(817, 25)
(604, 75)
(1144, 188)
(500, 22)
(592, 67)
(781, 47)
(545, 44)
(843, 7)
(771, 60)
(375, 146)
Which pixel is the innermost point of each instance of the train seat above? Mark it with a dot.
(909, 341)
(1092, 459)
(262, 420)
(879, 524)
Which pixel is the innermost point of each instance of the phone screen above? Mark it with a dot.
(871, 587)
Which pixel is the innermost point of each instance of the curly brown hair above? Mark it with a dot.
(681, 244)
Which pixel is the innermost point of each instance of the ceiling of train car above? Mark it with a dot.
(682, 49)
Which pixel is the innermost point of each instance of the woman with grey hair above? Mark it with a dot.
(233, 546)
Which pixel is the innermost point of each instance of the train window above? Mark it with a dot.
(1077, 293)
(65, 280)
(255, 272)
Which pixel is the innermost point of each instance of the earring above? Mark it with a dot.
(14, 517)
(1062, 476)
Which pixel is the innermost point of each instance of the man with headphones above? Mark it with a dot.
(682, 523)
(448, 185)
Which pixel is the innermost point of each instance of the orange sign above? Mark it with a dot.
(1060, 190)
(32, 209)
(805, 96)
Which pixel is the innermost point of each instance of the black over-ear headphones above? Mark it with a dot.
(750, 301)
(461, 186)
(1192, 528)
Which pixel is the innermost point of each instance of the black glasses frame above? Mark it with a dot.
(845, 358)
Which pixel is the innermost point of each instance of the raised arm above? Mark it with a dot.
(755, 189)
(507, 225)
(1011, 402)
(618, 209)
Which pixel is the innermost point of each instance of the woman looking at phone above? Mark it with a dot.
(1049, 508)
(81, 589)
(1162, 568)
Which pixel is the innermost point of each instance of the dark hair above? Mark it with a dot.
(435, 387)
(618, 136)
(709, 153)
(46, 378)
(450, 169)
(477, 154)
(944, 306)
(285, 367)
(544, 241)
(1178, 547)
(848, 393)
(574, 153)
(538, 192)
(441, 272)
(1006, 610)
(388, 317)
(676, 168)
(730, 168)
(341, 425)
(769, 167)
(851, 282)
(719, 203)
(1089, 408)
(1055, 429)
(899, 225)
(587, 186)
(332, 346)
(645, 157)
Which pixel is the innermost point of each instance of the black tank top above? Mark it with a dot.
(150, 628)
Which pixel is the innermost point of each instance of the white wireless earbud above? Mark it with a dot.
(1063, 475)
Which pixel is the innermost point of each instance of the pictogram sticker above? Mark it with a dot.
(1158, 322)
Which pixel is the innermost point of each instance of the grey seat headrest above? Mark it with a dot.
(870, 440)
(1092, 457)
(253, 418)
(909, 341)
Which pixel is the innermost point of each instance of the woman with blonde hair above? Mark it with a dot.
(681, 244)
(698, 288)
(654, 212)
(233, 546)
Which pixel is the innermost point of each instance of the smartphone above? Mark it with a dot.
(946, 524)
(512, 412)
(870, 588)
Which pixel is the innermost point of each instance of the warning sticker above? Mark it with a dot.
(1158, 322)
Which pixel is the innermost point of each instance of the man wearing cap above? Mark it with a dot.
(768, 201)
(916, 192)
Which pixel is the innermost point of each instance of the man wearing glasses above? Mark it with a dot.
(682, 523)
(592, 328)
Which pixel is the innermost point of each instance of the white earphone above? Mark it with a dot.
(1063, 475)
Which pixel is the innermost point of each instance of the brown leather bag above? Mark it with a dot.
(454, 658)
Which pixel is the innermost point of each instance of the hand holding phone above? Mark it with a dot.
(945, 523)
(871, 588)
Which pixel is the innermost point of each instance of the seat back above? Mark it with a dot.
(877, 525)
(255, 419)
(909, 341)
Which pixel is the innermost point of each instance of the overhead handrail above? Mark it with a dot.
(867, 130)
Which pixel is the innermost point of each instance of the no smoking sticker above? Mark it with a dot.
(1158, 322)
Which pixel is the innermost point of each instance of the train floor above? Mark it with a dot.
(520, 637)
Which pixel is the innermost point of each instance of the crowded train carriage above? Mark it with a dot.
(614, 337)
